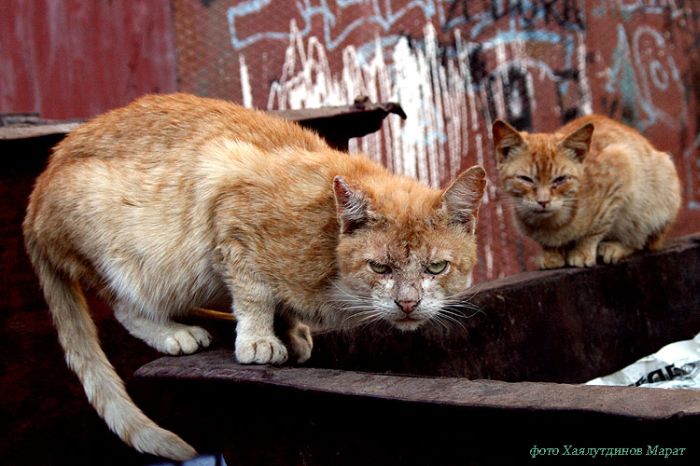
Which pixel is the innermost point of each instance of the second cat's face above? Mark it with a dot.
(541, 172)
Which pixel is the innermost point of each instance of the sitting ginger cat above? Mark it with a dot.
(175, 202)
(594, 188)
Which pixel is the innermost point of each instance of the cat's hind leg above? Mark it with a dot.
(296, 336)
(612, 251)
(656, 239)
(161, 333)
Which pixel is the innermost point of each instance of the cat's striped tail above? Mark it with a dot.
(104, 388)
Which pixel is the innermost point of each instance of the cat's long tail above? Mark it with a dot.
(104, 388)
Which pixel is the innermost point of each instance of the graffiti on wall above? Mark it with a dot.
(457, 65)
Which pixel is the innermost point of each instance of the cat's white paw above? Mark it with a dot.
(185, 340)
(301, 343)
(581, 258)
(612, 251)
(260, 350)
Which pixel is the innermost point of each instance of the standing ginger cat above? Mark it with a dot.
(175, 202)
(594, 188)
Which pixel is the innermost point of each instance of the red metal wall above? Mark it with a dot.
(454, 65)
(78, 58)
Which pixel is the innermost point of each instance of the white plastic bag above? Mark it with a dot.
(676, 365)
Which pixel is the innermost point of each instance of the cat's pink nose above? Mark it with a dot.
(407, 306)
(543, 203)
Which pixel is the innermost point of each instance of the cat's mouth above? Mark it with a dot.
(407, 323)
(543, 212)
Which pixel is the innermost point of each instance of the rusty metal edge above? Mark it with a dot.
(310, 116)
(8, 133)
(638, 403)
(679, 244)
(360, 106)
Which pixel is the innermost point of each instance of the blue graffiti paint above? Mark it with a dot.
(384, 19)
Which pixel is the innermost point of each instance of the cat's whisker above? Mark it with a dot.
(456, 308)
(447, 322)
(436, 321)
(451, 319)
(365, 320)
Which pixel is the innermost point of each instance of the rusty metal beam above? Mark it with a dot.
(335, 124)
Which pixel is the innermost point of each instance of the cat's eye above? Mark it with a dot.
(437, 268)
(560, 179)
(376, 267)
(526, 179)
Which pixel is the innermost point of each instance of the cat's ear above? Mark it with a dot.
(579, 141)
(505, 139)
(462, 198)
(351, 205)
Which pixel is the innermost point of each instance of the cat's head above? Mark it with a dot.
(405, 251)
(541, 172)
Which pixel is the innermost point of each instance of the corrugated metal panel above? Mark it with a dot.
(78, 58)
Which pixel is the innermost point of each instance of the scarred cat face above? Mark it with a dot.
(404, 261)
(541, 172)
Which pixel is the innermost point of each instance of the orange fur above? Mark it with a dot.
(175, 202)
(594, 188)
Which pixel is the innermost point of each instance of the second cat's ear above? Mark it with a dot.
(505, 139)
(579, 141)
(351, 205)
(463, 198)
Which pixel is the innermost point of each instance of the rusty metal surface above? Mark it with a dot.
(336, 124)
(36, 131)
(76, 59)
(219, 367)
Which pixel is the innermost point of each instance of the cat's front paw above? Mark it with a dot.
(260, 350)
(184, 340)
(300, 343)
(581, 258)
(551, 260)
(612, 251)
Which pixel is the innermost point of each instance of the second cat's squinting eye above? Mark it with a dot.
(560, 179)
(436, 268)
(526, 179)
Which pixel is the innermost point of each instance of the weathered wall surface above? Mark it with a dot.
(455, 66)
(77, 58)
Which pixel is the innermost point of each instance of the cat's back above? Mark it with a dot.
(608, 132)
(146, 159)
(160, 127)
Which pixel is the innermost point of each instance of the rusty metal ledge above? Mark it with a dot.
(335, 124)
(219, 367)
